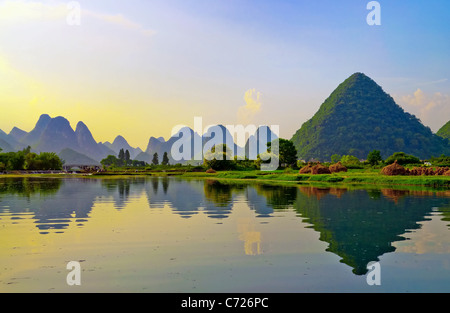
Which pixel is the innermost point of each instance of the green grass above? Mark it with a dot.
(362, 176)
(352, 177)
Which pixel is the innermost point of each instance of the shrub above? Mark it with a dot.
(402, 159)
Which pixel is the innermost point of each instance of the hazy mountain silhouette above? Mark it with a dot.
(17, 134)
(214, 135)
(160, 146)
(57, 135)
(31, 138)
(87, 144)
(121, 143)
(5, 146)
(71, 157)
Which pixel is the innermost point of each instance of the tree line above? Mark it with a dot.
(220, 158)
(27, 160)
(123, 159)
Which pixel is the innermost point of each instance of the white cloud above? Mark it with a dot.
(247, 113)
(432, 109)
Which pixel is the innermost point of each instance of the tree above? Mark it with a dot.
(165, 160)
(32, 162)
(374, 157)
(110, 160)
(287, 152)
(137, 163)
(27, 160)
(49, 161)
(350, 161)
(335, 158)
(127, 157)
(122, 156)
(16, 160)
(402, 159)
(155, 160)
(219, 158)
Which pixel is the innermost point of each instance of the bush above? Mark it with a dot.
(440, 161)
(351, 162)
(402, 159)
(219, 158)
(374, 157)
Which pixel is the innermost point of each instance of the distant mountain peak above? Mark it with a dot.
(59, 123)
(33, 136)
(84, 135)
(44, 117)
(17, 133)
(120, 140)
(42, 122)
(81, 126)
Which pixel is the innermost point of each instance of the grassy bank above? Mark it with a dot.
(354, 176)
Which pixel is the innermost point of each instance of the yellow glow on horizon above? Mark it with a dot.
(23, 99)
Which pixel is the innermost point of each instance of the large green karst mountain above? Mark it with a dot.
(444, 132)
(359, 117)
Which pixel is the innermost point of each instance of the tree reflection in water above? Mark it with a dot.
(358, 225)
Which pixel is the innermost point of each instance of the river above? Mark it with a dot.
(172, 235)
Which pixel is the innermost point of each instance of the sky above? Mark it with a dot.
(139, 68)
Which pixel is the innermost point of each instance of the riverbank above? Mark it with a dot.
(354, 176)
(373, 177)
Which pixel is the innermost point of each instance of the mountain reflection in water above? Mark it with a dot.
(358, 225)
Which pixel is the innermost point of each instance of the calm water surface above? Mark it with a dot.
(174, 235)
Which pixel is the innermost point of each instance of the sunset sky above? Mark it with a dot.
(139, 68)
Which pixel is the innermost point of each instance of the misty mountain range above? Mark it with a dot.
(79, 146)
